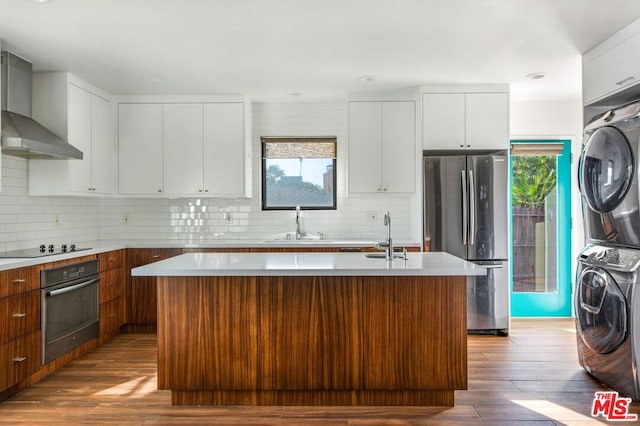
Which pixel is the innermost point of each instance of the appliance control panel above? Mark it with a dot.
(618, 258)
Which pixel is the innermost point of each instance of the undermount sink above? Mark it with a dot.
(290, 237)
(383, 255)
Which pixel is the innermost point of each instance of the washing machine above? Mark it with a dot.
(608, 177)
(607, 305)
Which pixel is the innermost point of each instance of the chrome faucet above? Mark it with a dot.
(388, 244)
(298, 222)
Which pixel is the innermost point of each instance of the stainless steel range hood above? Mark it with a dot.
(21, 135)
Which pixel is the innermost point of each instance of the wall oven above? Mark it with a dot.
(70, 307)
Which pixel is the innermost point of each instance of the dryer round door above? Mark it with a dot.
(606, 169)
(601, 311)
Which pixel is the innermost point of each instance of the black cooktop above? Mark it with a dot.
(43, 250)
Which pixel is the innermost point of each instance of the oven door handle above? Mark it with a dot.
(72, 288)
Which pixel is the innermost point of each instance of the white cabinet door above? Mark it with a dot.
(612, 71)
(79, 135)
(103, 147)
(487, 121)
(183, 138)
(224, 149)
(140, 149)
(443, 117)
(398, 146)
(365, 147)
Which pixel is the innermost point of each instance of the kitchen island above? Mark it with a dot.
(311, 328)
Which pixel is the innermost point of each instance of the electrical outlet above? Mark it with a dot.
(126, 217)
(56, 219)
(372, 217)
(228, 218)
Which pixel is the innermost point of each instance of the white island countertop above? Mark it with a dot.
(306, 264)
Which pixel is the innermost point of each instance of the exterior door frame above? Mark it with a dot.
(558, 304)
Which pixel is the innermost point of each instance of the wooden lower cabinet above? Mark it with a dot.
(111, 318)
(19, 315)
(113, 279)
(142, 311)
(19, 359)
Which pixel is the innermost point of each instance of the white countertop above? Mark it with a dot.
(305, 264)
(98, 247)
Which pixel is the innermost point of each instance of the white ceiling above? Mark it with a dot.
(268, 49)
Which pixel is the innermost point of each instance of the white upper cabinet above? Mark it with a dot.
(185, 149)
(140, 151)
(183, 139)
(612, 67)
(381, 147)
(225, 151)
(461, 121)
(81, 114)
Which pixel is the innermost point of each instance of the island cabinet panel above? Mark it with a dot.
(408, 336)
(310, 327)
(312, 340)
(209, 340)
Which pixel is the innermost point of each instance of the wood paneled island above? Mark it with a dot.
(311, 328)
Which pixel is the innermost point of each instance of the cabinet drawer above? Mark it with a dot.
(112, 284)
(111, 260)
(111, 318)
(19, 359)
(139, 257)
(19, 315)
(19, 280)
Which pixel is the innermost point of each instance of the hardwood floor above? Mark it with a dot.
(531, 377)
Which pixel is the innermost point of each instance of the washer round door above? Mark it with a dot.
(606, 169)
(601, 311)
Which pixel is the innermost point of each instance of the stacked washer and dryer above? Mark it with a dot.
(607, 296)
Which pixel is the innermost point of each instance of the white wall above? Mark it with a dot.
(555, 120)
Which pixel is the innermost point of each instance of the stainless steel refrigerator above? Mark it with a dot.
(466, 214)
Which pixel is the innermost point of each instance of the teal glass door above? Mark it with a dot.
(540, 252)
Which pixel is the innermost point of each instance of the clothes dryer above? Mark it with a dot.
(607, 305)
(608, 177)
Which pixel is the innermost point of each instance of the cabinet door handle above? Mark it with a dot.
(19, 281)
(20, 315)
(385, 189)
(20, 359)
(206, 190)
(159, 190)
(626, 80)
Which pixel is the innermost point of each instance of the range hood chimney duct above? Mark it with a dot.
(21, 135)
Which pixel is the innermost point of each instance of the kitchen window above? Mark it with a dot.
(298, 171)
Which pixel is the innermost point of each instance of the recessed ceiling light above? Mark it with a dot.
(367, 78)
(535, 75)
(151, 79)
(41, 1)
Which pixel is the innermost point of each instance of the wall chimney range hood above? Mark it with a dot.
(21, 135)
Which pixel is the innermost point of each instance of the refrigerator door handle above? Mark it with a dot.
(465, 217)
(472, 209)
(496, 266)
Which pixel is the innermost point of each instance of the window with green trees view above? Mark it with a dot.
(298, 172)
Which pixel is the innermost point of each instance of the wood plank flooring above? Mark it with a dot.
(531, 377)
